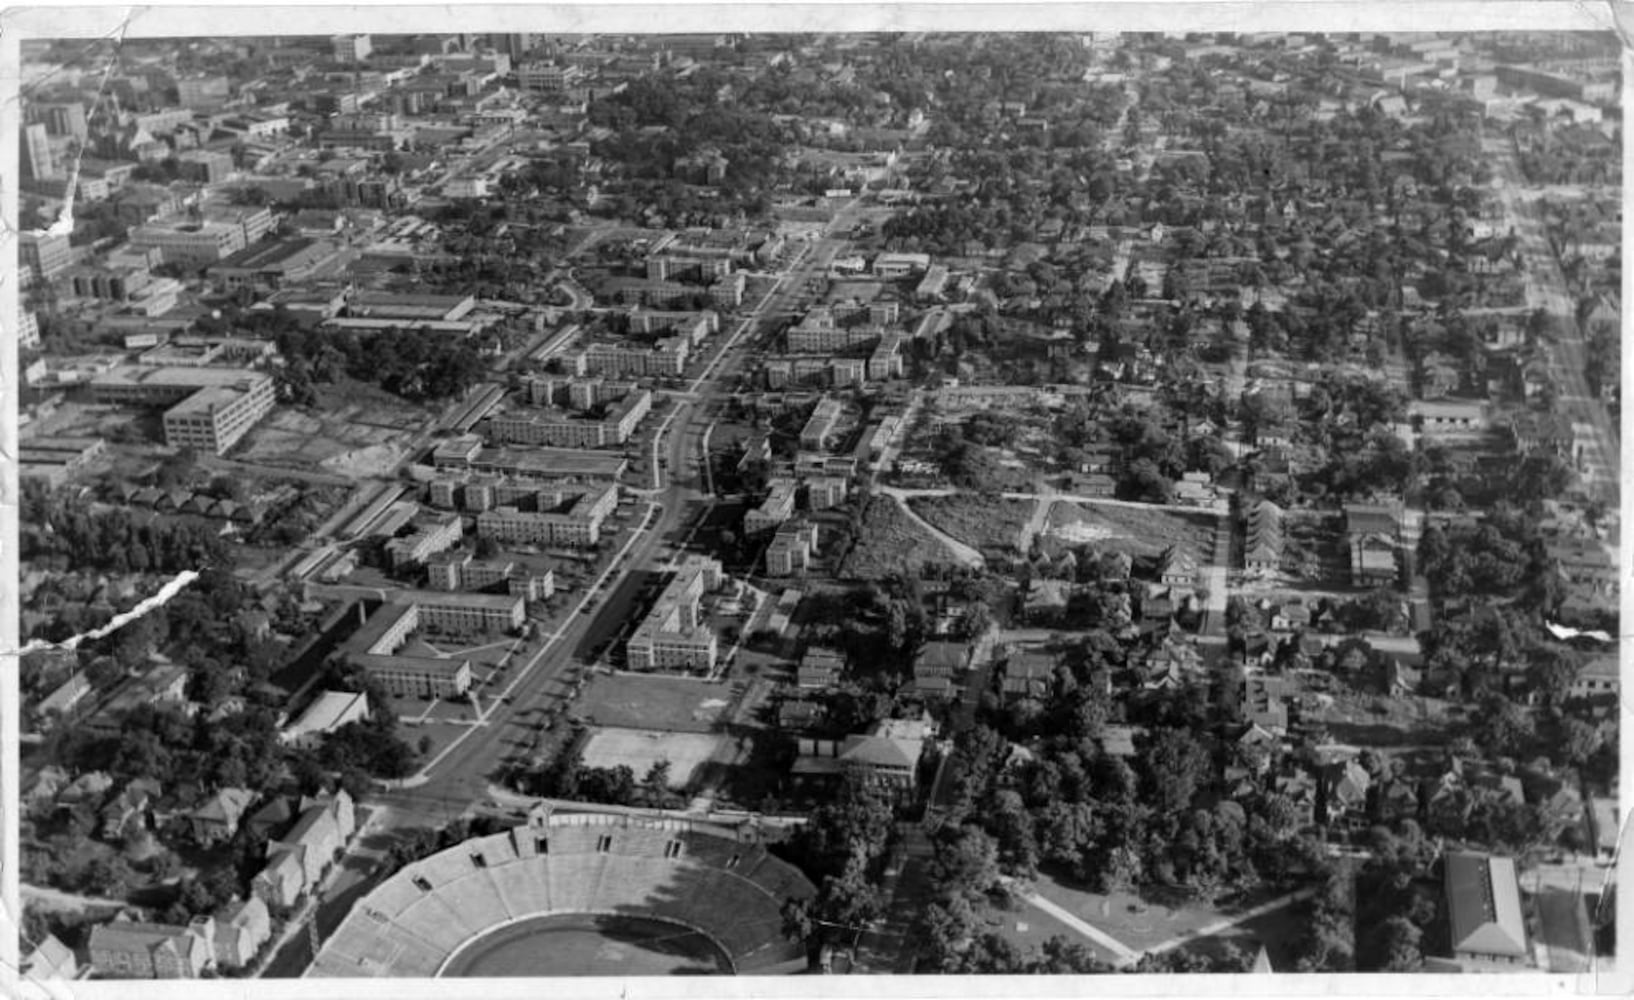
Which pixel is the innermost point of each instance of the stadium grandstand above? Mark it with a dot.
(442, 915)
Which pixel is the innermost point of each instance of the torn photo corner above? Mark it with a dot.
(579, 497)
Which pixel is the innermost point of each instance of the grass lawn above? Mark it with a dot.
(1136, 922)
(1278, 931)
(1029, 927)
(1137, 531)
(646, 701)
(980, 522)
(441, 734)
(890, 542)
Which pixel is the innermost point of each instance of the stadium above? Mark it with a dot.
(577, 894)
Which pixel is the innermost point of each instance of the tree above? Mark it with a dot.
(1399, 945)
(966, 861)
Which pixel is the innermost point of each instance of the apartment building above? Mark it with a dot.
(777, 508)
(432, 534)
(462, 571)
(666, 357)
(792, 550)
(820, 426)
(674, 634)
(564, 517)
(45, 254)
(568, 431)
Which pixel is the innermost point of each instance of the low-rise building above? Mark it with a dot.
(820, 426)
(328, 712)
(298, 860)
(128, 949)
(777, 508)
(1484, 910)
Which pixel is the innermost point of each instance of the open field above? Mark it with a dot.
(647, 701)
(640, 749)
(359, 433)
(1139, 532)
(980, 522)
(889, 542)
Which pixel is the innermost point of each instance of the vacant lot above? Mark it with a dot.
(985, 523)
(640, 749)
(358, 433)
(646, 701)
(890, 542)
(1139, 531)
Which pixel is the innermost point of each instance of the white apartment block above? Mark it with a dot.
(674, 634)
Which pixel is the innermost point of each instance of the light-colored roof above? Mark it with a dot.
(1484, 905)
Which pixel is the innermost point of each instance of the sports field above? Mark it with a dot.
(640, 749)
(586, 945)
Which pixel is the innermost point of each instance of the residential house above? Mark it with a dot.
(216, 819)
(128, 810)
(1176, 568)
(127, 949)
(1029, 674)
(298, 860)
(48, 961)
(1598, 680)
(942, 659)
(1263, 544)
(819, 669)
(238, 932)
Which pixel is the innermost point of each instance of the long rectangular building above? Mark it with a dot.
(556, 428)
(563, 517)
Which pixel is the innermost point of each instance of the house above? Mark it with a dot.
(49, 960)
(127, 949)
(240, 929)
(298, 860)
(1263, 544)
(217, 818)
(1029, 674)
(819, 669)
(1484, 909)
(941, 659)
(1176, 568)
(1597, 680)
(1347, 782)
(799, 715)
(128, 809)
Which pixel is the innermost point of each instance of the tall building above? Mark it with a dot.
(65, 118)
(351, 48)
(46, 254)
(38, 164)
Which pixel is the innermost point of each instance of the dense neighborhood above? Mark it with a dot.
(1057, 503)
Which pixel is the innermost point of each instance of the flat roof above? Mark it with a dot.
(180, 377)
(560, 461)
(268, 255)
(418, 664)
